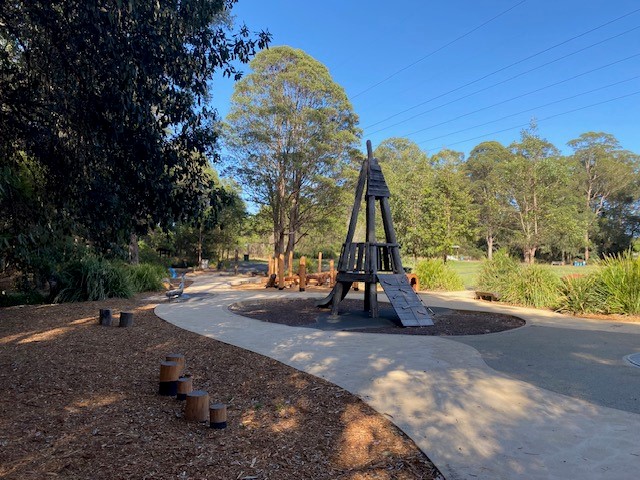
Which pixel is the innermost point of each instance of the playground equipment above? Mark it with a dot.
(373, 262)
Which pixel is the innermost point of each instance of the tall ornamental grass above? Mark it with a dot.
(434, 274)
(583, 294)
(533, 286)
(94, 278)
(619, 277)
(496, 274)
(146, 277)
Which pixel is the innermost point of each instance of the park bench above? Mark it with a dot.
(489, 296)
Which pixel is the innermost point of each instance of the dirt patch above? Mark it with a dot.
(303, 312)
(80, 402)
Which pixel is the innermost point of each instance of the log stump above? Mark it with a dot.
(185, 386)
(218, 416)
(197, 406)
(169, 374)
(178, 358)
(105, 318)
(126, 319)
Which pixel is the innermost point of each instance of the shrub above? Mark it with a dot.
(434, 274)
(619, 278)
(582, 294)
(496, 274)
(533, 286)
(146, 277)
(21, 298)
(93, 278)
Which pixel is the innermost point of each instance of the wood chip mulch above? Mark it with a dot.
(80, 401)
(299, 312)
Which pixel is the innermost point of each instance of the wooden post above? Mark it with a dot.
(218, 416)
(319, 262)
(235, 266)
(302, 272)
(105, 319)
(185, 385)
(197, 406)
(291, 264)
(332, 273)
(370, 288)
(390, 235)
(281, 272)
(126, 319)
(337, 298)
(178, 358)
(169, 374)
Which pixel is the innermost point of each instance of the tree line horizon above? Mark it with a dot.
(109, 143)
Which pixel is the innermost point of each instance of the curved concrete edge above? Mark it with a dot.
(471, 421)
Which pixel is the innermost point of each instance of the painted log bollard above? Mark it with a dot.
(281, 272)
(218, 416)
(169, 374)
(126, 319)
(302, 273)
(197, 406)
(185, 386)
(332, 273)
(290, 264)
(105, 319)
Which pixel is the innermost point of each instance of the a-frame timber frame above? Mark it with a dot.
(372, 262)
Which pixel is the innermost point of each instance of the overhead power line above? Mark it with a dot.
(516, 76)
(546, 118)
(531, 92)
(524, 111)
(517, 63)
(437, 50)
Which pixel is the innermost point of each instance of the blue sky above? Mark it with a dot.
(363, 43)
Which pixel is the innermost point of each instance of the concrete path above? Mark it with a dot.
(472, 421)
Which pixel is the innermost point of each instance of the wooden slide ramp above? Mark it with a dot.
(405, 301)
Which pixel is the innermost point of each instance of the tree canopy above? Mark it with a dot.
(104, 105)
(291, 131)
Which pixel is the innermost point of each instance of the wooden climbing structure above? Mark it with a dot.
(372, 262)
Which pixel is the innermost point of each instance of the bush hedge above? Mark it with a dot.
(95, 278)
(434, 274)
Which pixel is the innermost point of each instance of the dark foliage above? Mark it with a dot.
(105, 128)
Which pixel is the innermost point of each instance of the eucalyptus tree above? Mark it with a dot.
(407, 171)
(449, 215)
(604, 173)
(483, 169)
(291, 131)
(533, 183)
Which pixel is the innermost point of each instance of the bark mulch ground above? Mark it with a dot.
(299, 312)
(80, 402)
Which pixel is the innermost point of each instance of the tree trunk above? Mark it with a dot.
(134, 253)
(200, 247)
(530, 255)
(586, 246)
(489, 247)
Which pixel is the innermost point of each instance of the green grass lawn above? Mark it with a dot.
(468, 271)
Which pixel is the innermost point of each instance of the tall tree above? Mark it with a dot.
(604, 172)
(482, 168)
(292, 131)
(449, 216)
(106, 99)
(531, 181)
(407, 170)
